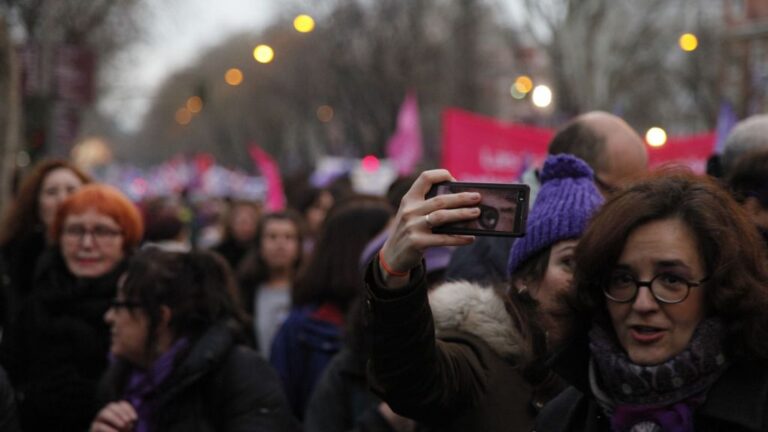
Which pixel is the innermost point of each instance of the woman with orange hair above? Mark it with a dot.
(56, 350)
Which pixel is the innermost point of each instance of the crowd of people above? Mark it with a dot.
(636, 301)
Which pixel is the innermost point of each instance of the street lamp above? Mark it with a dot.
(656, 137)
(183, 116)
(233, 76)
(688, 42)
(304, 23)
(194, 104)
(263, 54)
(325, 113)
(542, 96)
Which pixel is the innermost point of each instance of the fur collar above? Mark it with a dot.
(468, 307)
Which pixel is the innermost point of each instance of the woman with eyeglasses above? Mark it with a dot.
(56, 350)
(671, 284)
(180, 361)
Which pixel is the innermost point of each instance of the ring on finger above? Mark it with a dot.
(426, 219)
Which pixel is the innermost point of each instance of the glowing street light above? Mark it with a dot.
(325, 113)
(263, 54)
(194, 104)
(523, 84)
(233, 77)
(688, 42)
(183, 116)
(304, 23)
(370, 163)
(542, 96)
(656, 137)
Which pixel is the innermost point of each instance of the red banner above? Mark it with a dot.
(478, 148)
(691, 150)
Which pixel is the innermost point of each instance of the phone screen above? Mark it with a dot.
(503, 209)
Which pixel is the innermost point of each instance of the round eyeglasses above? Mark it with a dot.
(666, 288)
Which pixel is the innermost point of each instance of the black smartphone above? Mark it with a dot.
(503, 209)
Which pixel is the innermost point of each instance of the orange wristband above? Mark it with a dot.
(388, 269)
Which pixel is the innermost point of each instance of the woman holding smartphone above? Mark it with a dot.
(477, 373)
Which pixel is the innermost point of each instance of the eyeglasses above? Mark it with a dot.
(124, 304)
(665, 287)
(100, 233)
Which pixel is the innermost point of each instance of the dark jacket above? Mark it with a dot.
(736, 402)
(341, 400)
(471, 377)
(218, 385)
(18, 259)
(57, 350)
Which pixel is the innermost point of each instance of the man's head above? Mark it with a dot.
(749, 134)
(607, 144)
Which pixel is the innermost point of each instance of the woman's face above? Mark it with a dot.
(57, 185)
(129, 329)
(652, 332)
(552, 290)
(91, 243)
(245, 219)
(280, 244)
(315, 214)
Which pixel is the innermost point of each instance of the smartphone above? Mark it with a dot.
(503, 209)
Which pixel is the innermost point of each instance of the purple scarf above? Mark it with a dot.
(657, 397)
(142, 383)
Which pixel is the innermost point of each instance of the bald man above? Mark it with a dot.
(606, 143)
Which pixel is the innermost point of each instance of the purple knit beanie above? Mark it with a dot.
(563, 206)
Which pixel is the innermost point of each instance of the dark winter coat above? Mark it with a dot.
(57, 349)
(736, 402)
(471, 377)
(18, 259)
(217, 385)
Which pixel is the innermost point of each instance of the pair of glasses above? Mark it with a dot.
(100, 233)
(665, 287)
(118, 304)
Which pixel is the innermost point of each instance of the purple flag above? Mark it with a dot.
(404, 146)
(726, 120)
(271, 173)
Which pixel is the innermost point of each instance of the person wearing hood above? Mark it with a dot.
(465, 357)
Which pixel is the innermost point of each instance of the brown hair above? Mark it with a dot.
(730, 245)
(108, 201)
(24, 214)
(332, 273)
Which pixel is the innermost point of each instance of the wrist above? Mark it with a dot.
(392, 278)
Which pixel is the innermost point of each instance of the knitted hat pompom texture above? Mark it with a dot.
(567, 199)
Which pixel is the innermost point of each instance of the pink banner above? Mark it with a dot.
(478, 148)
(404, 147)
(690, 150)
(271, 172)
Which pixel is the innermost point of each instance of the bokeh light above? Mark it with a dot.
(194, 104)
(542, 96)
(263, 54)
(656, 137)
(370, 163)
(325, 113)
(304, 23)
(183, 116)
(233, 77)
(688, 42)
(523, 84)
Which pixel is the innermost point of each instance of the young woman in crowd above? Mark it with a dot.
(239, 231)
(322, 295)
(55, 351)
(26, 226)
(179, 362)
(671, 280)
(267, 274)
(483, 370)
